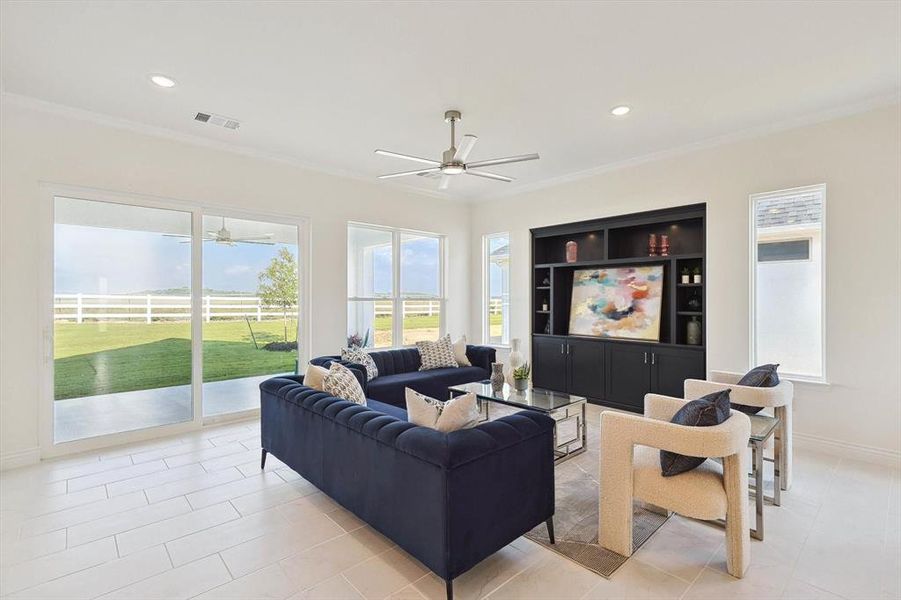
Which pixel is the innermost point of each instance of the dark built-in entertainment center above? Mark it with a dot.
(611, 371)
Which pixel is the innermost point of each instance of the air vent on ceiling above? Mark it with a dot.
(217, 120)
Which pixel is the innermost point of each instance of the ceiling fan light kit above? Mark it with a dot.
(453, 160)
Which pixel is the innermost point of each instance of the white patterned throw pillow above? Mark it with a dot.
(342, 383)
(361, 357)
(438, 354)
(461, 412)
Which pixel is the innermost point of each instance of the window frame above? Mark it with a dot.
(753, 265)
(486, 289)
(397, 297)
(807, 239)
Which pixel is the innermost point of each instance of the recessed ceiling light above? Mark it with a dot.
(620, 110)
(162, 81)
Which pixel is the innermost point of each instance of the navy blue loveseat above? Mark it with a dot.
(449, 499)
(399, 369)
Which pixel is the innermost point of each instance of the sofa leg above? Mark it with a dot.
(550, 530)
(450, 588)
(263, 459)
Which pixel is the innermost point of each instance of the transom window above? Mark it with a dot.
(787, 279)
(395, 286)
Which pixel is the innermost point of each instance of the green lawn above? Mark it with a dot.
(105, 358)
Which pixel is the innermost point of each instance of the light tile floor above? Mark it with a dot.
(193, 517)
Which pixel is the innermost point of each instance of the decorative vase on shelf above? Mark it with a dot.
(686, 278)
(652, 244)
(515, 360)
(694, 303)
(697, 278)
(572, 251)
(664, 245)
(693, 332)
(520, 385)
(497, 375)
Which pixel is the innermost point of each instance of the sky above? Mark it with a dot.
(97, 260)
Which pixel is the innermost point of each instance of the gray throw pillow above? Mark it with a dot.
(709, 410)
(762, 376)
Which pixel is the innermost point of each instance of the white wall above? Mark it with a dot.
(859, 159)
(38, 146)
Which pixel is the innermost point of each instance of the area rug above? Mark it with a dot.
(576, 520)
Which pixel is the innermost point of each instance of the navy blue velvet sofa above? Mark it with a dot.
(448, 499)
(399, 369)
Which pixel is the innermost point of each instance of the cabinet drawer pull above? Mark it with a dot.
(645, 358)
(653, 357)
(561, 348)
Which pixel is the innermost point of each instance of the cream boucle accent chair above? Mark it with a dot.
(630, 468)
(777, 399)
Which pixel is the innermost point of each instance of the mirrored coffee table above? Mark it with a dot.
(565, 409)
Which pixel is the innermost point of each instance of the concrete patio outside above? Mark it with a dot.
(91, 416)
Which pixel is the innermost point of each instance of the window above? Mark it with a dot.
(496, 309)
(393, 272)
(779, 251)
(787, 281)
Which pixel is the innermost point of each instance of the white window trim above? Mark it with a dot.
(50, 191)
(752, 299)
(486, 289)
(397, 298)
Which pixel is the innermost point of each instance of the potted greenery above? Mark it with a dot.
(521, 377)
(697, 273)
(686, 275)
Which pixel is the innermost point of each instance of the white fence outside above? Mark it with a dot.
(424, 307)
(114, 307)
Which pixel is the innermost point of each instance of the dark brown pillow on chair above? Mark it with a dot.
(762, 376)
(706, 411)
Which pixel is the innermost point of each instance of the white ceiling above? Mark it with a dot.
(324, 84)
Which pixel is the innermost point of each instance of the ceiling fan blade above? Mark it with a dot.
(466, 146)
(501, 161)
(268, 236)
(488, 175)
(178, 235)
(445, 182)
(416, 172)
(247, 241)
(407, 157)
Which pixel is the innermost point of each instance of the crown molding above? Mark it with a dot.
(713, 142)
(196, 140)
(81, 114)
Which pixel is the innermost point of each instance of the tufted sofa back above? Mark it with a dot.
(392, 362)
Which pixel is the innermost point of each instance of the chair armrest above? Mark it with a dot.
(726, 439)
(481, 356)
(660, 407)
(725, 377)
(761, 397)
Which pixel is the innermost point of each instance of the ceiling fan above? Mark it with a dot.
(224, 236)
(453, 160)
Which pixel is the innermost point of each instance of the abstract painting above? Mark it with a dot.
(618, 302)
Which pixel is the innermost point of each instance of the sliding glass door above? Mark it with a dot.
(122, 318)
(131, 284)
(250, 309)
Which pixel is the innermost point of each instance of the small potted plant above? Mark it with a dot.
(697, 274)
(521, 377)
(686, 275)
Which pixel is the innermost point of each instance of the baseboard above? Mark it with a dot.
(860, 452)
(22, 458)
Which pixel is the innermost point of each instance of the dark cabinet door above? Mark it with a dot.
(670, 367)
(549, 363)
(628, 375)
(585, 376)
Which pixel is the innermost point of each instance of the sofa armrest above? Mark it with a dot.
(481, 356)
(358, 370)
